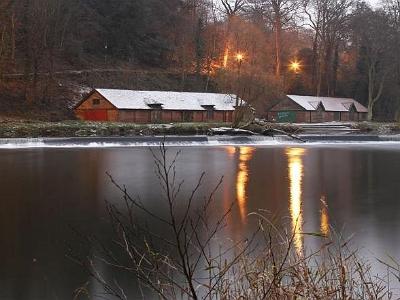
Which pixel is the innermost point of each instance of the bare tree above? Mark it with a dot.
(233, 7)
(377, 46)
(7, 35)
(392, 9)
(329, 20)
(280, 14)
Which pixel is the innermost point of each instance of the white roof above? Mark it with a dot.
(329, 103)
(128, 99)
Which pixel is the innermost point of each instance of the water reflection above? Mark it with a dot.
(245, 154)
(295, 166)
(324, 217)
(231, 150)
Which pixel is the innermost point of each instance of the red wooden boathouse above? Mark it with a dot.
(155, 106)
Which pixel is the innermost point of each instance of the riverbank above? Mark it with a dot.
(35, 129)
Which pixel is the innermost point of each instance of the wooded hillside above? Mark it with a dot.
(261, 49)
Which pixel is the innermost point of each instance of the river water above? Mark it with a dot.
(49, 194)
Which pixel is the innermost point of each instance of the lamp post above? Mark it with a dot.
(239, 59)
(295, 67)
(105, 54)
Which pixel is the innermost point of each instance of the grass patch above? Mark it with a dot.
(29, 129)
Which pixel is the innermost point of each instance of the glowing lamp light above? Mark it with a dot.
(239, 57)
(295, 66)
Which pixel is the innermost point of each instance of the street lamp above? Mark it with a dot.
(239, 59)
(105, 54)
(295, 66)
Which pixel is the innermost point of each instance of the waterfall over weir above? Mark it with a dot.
(182, 141)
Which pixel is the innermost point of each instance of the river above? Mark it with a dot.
(47, 194)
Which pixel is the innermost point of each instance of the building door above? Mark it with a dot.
(352, 113)
(156, 116)
(286, 116)
(319, 114)
(96, 115)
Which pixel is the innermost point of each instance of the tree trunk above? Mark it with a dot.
(374, 96)
(320, 67)
(335, 69)
(370, 92)
(278, 31)
(13, 39)
(397, 115)
(199, 46)
(370, 111)
(25, 32)
(315, 62)
(328, 69)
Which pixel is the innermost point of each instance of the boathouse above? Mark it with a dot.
(155, 106)
(309, 109)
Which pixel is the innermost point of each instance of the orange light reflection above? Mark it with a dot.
(324, 217)
(230, 150)
(245, 154)
(296, 173)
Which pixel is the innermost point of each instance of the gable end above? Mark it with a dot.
(287, 104)
(94, 100)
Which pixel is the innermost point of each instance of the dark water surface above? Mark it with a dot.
(45, 192)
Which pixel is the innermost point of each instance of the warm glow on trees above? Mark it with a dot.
(226, 57)
(256, 48)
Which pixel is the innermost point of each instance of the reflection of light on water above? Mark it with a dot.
(230, 150)
(245, 154)
(296, 179)
(324, 217)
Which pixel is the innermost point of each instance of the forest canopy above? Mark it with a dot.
(260, 49)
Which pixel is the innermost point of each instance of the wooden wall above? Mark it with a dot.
(325, 116)
(97, 108)
(286, 105)
(173, 116)
(303, 116)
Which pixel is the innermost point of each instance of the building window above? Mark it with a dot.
(96, 101)
(336, 115)
(155, 105)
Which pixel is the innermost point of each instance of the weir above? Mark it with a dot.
(150, 141)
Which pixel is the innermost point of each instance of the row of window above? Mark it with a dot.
(187, 115)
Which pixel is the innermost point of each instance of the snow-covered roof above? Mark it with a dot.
(128, 99)
(329, 103)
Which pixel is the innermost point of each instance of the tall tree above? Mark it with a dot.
(375, 38)
(280, 14)
(392, 8)
(329, 20)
